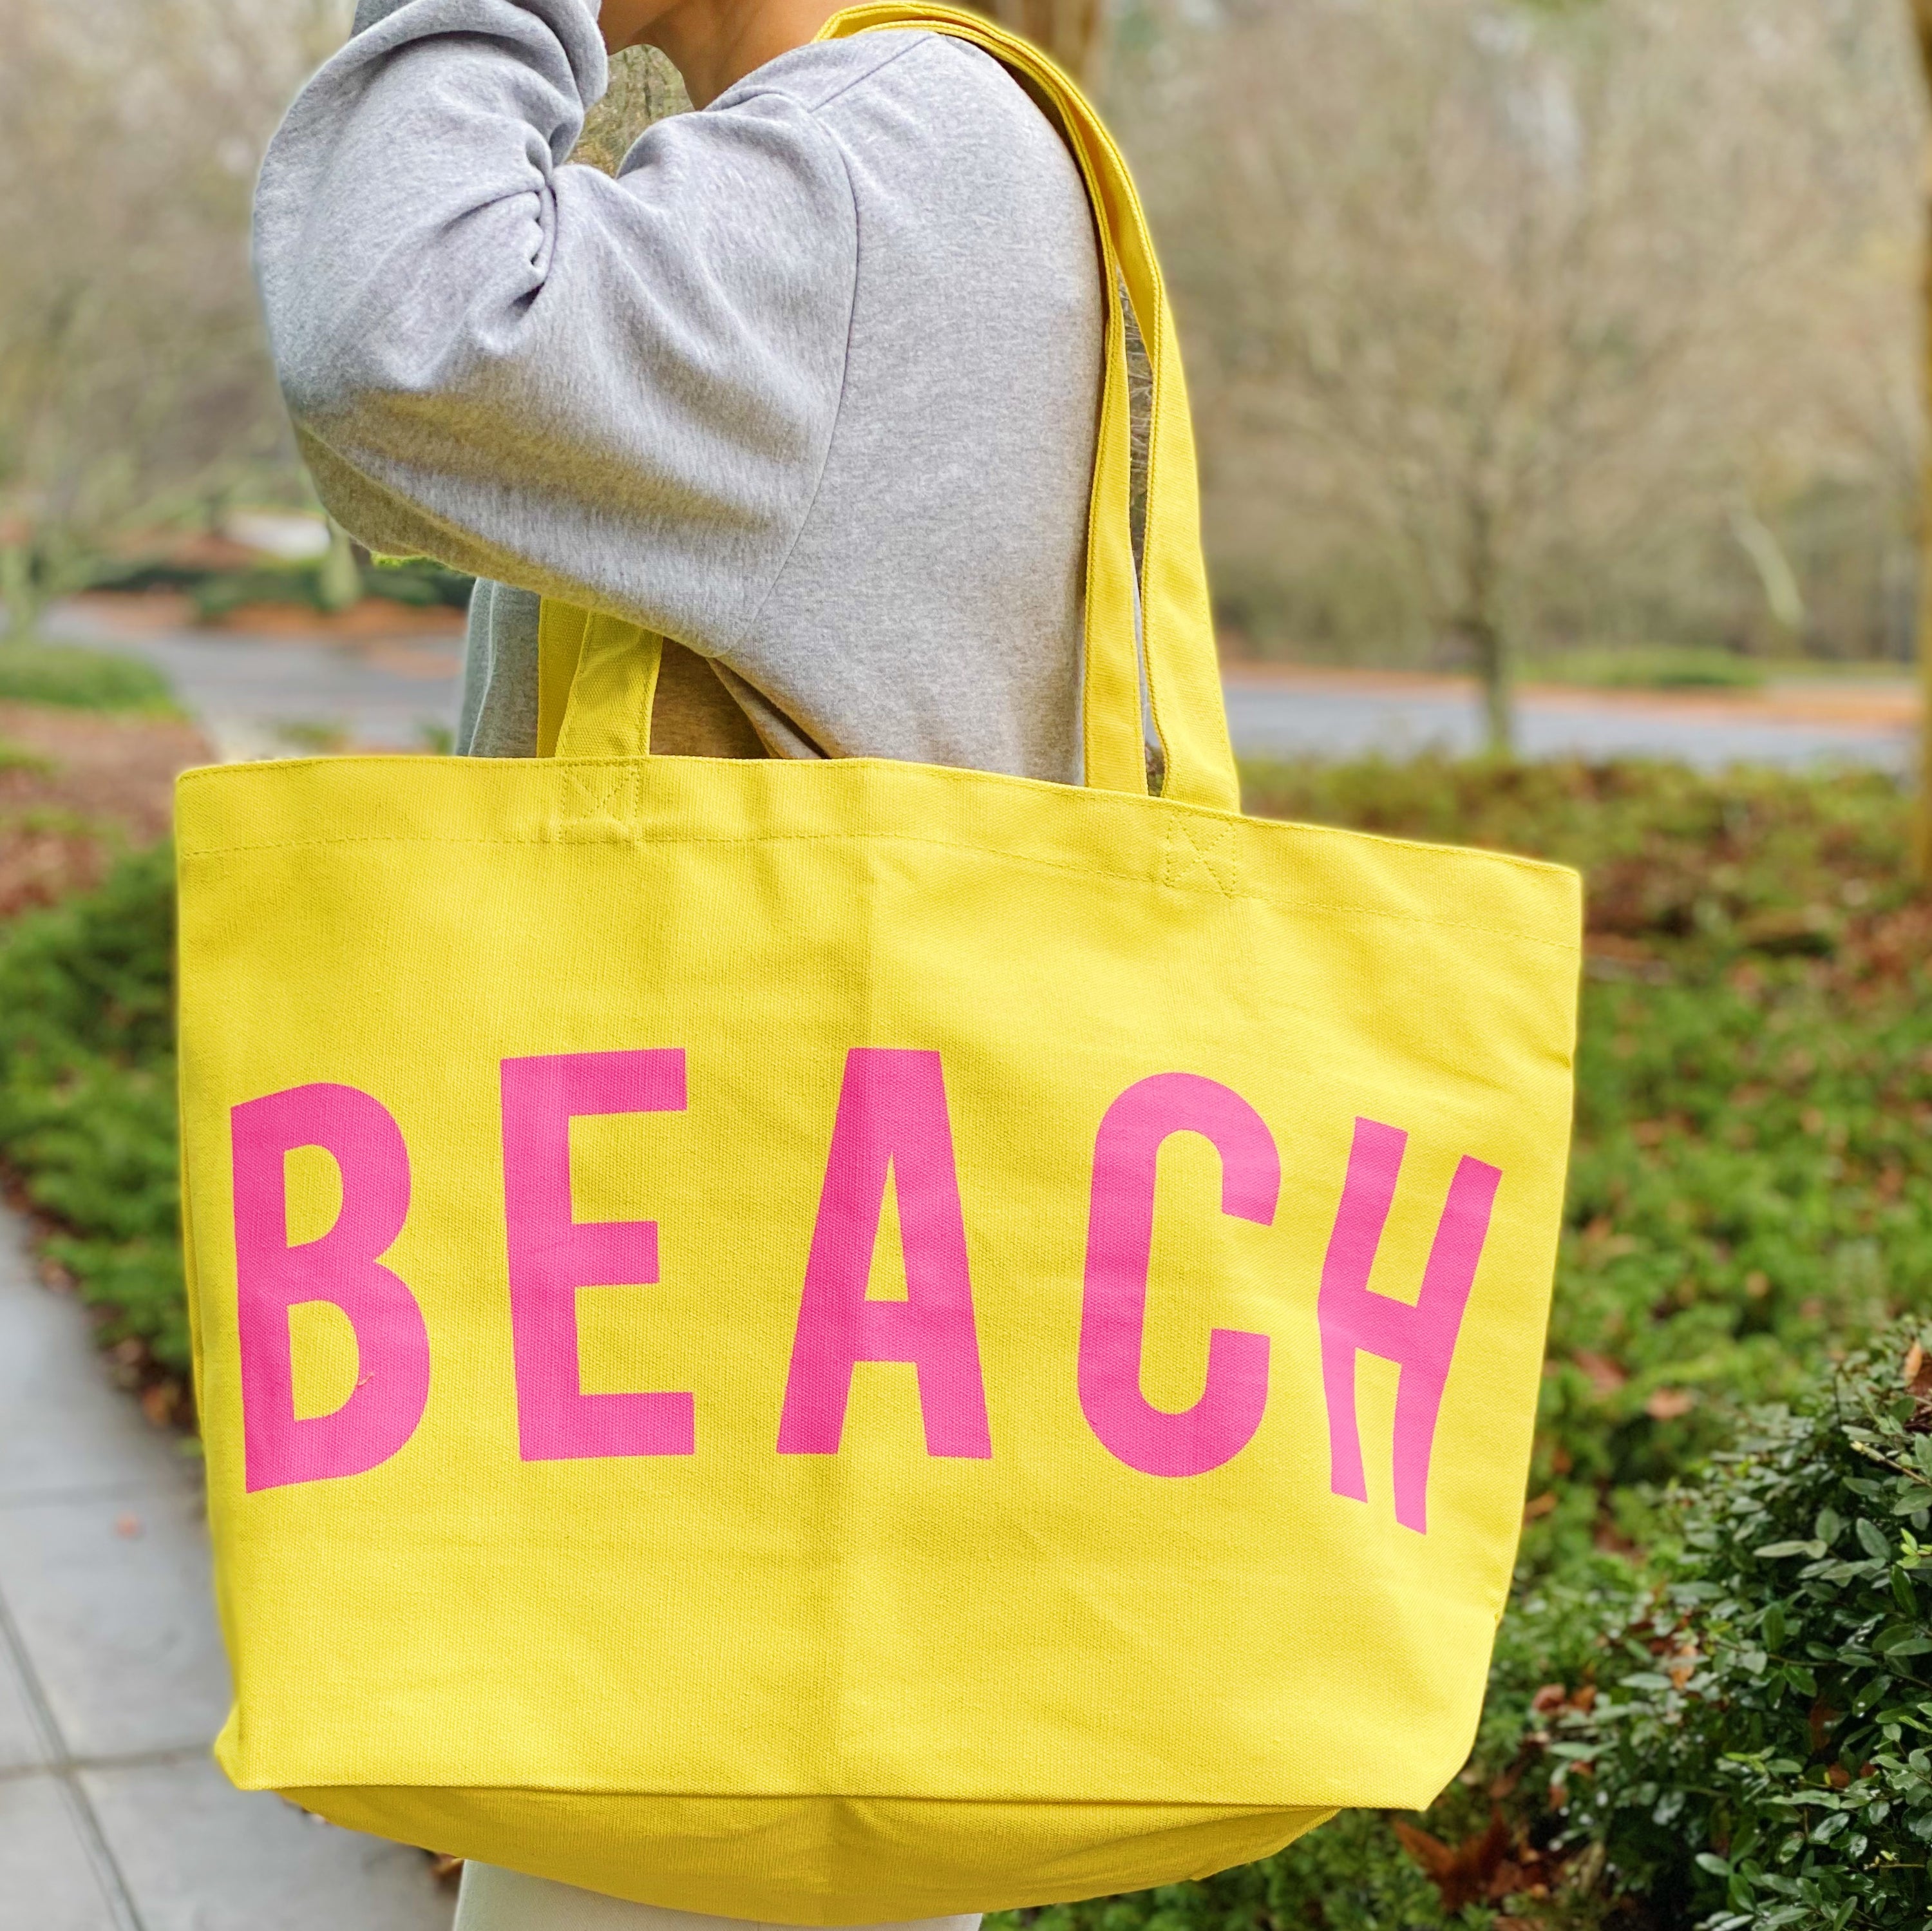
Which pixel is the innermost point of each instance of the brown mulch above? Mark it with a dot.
(376, 619)
(77, 789)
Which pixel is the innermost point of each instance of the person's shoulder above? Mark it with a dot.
(896, 61)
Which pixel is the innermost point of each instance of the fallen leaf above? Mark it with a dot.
(1821, 1720)
(1918, 1378)
(1462, 1873)
(1604, 1375)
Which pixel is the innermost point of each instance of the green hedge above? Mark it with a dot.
(1763, 1755)
(76, 679)
(87, 1094)
(415, 581)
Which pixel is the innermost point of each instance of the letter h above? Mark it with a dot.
(1421, 1339)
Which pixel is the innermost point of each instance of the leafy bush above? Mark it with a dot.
(1767, 1762)
(80, 680)
(415, 581)
(1651, 667)
(87, 1094)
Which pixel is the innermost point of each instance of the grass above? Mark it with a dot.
(1652, 667)
(76, 679)
(19, 757)
(1750, 1193)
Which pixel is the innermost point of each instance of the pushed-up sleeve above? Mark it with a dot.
(618, 392)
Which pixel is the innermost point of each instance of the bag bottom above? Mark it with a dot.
(816, 1860)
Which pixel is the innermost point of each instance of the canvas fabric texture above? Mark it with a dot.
(845, 1341)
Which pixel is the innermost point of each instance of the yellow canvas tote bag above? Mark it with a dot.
(842, 1341)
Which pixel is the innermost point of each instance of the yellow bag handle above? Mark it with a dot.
(591, 666)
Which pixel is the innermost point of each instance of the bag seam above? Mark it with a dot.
(1566, 947)
(1515, 861)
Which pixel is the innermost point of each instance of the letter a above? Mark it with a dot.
(892, 1115)
(344, 1267)
(1119, 1243)
(1421, 1339)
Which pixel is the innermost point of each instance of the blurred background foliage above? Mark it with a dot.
(1528, 327)
(135, 393)
(1515, 330)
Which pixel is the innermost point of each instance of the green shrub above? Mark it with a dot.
(1767, 1761)
(87, 1094)
(1651, 667)
(413, 580)
(76, 679)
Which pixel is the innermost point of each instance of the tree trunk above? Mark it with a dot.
(645, 87)
(1074, 32)
(339, 582)
(23, 591)
(1489, 648)
(1921, 21)
(1479, 623)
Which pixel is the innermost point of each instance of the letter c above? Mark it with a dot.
(1119, 1243)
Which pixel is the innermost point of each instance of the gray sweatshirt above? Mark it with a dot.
(811, 387)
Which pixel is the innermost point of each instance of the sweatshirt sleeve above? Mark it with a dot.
(621, 393)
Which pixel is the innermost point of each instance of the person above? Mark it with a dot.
(811, 388)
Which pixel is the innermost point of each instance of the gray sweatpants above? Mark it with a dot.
(499, 1900)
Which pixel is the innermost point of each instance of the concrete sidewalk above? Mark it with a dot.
(113, 1816)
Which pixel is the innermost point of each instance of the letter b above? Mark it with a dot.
(343, 1267)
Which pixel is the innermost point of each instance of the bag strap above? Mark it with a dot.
(584, 678)
(597, 684)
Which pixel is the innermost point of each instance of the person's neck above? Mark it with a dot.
(715, 43)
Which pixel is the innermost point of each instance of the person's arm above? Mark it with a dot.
(620, 392)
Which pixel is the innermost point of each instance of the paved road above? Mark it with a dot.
(113, 1816)
(382, 694)
(1339, 715)
(386, 692)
